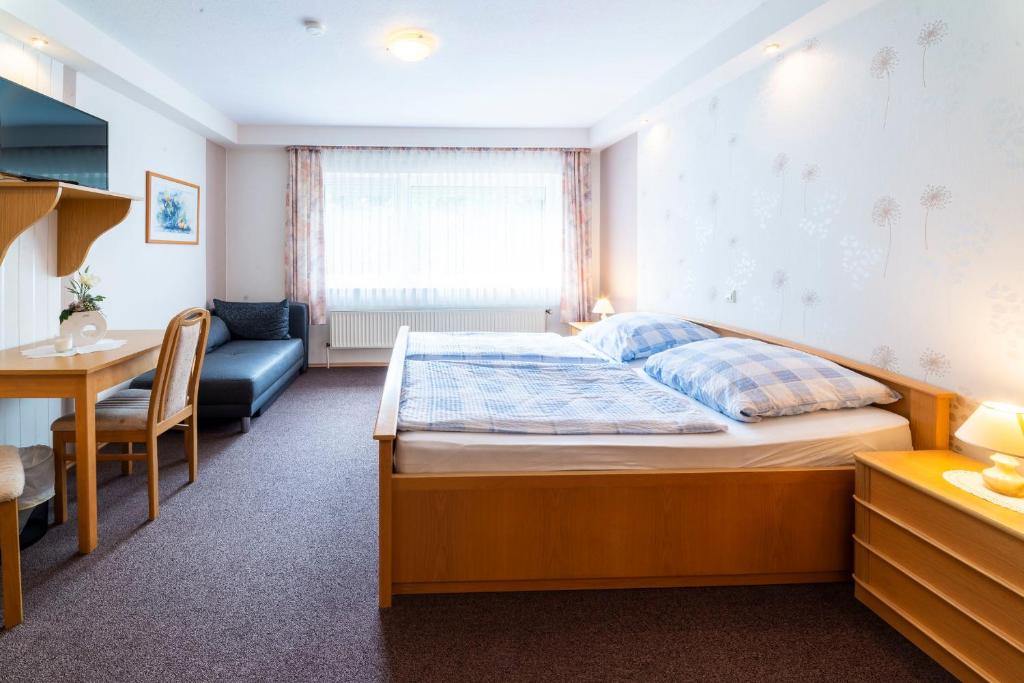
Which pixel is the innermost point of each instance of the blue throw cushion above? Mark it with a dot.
(748, 379)
(254, 320)
(219, 335)
(628, 336)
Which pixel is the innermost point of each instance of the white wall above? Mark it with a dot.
(618, 224)
(255, 219)
(773, 185)
(29, 292)
(145, 284)
(215, 195)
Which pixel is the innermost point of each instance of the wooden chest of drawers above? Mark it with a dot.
(943, 567)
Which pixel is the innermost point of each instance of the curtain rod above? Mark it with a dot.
(377, 148)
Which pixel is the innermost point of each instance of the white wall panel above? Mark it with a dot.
(29, 289)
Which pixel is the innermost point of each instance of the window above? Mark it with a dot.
(455, 228)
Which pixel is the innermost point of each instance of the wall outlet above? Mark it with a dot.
(731, 297)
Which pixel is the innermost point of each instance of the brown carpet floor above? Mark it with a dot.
(265, 570)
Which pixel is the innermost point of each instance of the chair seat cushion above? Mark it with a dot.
(12, 474)
(241, 370)
(126, 410)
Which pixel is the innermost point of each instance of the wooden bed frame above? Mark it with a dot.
(521, 531)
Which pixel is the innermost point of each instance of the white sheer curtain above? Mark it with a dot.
(446, 228)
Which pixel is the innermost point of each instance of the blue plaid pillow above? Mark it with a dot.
(628, 336)
(748, 379)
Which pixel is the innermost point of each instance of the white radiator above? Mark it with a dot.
(377, 329)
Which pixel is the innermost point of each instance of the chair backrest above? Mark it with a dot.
(176, 384)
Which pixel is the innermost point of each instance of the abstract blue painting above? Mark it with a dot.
(172, 210)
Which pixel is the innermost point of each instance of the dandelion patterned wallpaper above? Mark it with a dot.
(863, 192)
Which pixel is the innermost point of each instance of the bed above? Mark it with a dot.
(675, 520)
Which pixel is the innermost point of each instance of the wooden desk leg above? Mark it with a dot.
(85, 466)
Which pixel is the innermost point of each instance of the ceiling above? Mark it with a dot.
(500, 63)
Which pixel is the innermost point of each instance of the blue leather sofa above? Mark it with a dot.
(242, 377)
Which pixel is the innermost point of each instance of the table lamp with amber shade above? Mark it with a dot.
(998, 427)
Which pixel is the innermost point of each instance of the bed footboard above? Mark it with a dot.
(552, 531)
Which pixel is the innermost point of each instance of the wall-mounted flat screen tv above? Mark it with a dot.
(44, 139)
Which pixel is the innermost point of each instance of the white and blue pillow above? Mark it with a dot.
(748, 379)
(629, 336)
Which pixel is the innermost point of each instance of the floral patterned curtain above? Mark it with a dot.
(577, 297)
(304, 239)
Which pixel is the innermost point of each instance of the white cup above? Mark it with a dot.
(62, 344)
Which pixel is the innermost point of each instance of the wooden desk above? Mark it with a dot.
(80, 378)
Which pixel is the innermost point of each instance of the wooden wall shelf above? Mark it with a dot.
(83, 214)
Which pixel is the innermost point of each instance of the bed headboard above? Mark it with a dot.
(924, 405)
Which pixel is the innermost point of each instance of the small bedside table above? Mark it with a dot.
(940, 565)
(577, 327)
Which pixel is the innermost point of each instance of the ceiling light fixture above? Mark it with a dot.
(39, 43)
(772, 48)
(314, 27)
(411, 44)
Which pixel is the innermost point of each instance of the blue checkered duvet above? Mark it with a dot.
(748, 379)
(545, 347)
(630, 336)
(541, 398)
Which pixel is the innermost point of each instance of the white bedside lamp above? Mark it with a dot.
(604, 307)
(999, 427)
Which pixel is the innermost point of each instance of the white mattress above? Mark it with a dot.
(826, 438)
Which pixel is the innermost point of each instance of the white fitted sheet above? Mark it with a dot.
(825, 438)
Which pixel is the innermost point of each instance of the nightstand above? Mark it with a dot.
(940, 565)
(577, 327)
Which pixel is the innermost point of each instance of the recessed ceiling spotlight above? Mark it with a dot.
(772, 48)
(412, 44)
(314, 27)
(39, 43)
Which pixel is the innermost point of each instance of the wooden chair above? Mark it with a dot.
(141, 415)
(12, 483)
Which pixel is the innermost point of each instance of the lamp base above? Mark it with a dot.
(1003, 477)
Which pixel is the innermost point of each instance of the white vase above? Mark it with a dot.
(84, 327)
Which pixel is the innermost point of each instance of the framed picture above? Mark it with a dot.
(172, 210)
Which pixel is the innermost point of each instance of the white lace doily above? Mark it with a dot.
(974, 484)
(49, 351)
